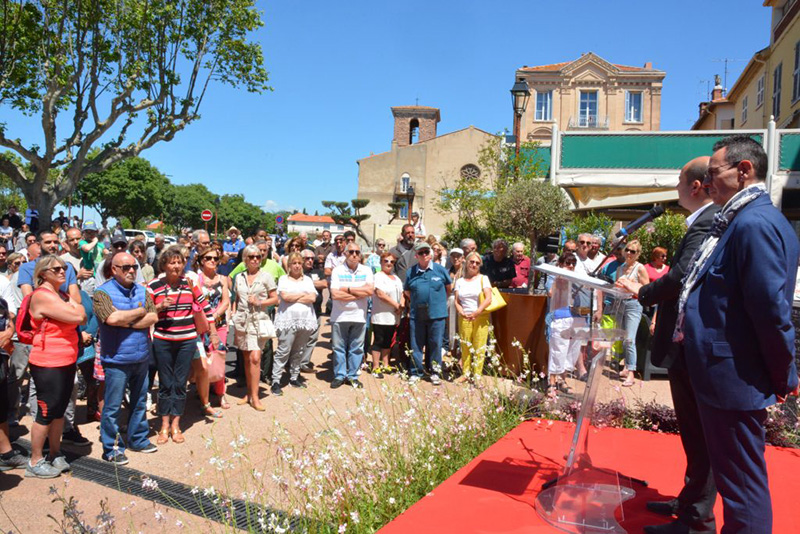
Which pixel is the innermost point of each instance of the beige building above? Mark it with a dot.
(768, 86)
(590, 93)
(418, 166)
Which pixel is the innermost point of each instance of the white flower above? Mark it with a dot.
(392, 500)
(343, 528)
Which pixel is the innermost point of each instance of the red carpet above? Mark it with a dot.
(496, 491)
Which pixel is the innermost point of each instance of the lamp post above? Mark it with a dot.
(216, 215)
(410, 193)
(519, 99)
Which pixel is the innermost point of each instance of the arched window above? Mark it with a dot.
(413, 131)
(470, 172)
(405, 181)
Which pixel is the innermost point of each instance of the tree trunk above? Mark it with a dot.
(45, 202)
(363, 236)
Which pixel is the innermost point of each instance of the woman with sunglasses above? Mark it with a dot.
(54, 317)
(564, 352)
(138, 249)
(14, 260)
(175, 338)
(255, 291)
(473, 321)
(387, 307)
(293, 245)
(635, 271)
(217, 290)
(294, 322)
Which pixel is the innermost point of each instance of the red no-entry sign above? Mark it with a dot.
(206, 215)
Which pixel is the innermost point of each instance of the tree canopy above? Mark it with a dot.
(345, 213)
(132, 188)
(117, 77)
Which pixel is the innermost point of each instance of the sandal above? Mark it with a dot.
(211, 412)
(177, 435)
(163, 437)
(564, 388)
(629, 381)
(223, 403)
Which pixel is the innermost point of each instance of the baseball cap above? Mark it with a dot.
(89, 225)
(456, 251)
(422, 245)
(118, 237)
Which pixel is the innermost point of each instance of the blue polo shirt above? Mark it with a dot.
(26, 275)
(232, 248)
(428, 287)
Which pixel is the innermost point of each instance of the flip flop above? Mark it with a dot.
(163, 437)
(177, 435)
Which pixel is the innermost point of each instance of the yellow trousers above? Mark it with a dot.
(474, 335)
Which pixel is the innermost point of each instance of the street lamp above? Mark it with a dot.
(519, 99)
(216, 214)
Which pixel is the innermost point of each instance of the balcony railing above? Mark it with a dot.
(404, 189)
(589, 122)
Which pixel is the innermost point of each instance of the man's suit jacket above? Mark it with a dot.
(665, 291)
(738, 333)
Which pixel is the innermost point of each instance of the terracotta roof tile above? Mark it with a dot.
(300, 217)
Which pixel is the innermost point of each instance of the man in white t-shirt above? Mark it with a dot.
(351, 286)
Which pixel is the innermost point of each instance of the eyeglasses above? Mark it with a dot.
(254, 257)
(381, 245)
(474, 262)
(128, 267)
(713, 172)
(571, 262)
(631, 251)
(16, 263)
(210, 258)
(338, 240)
(388, 262)
(57, 269)
(424, 252)
(306, 258)
(584, 242)
(119, 245)
(354, 252)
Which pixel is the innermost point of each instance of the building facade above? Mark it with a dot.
(590, 93)
(419, 165)
(314, 224)
(769, 85)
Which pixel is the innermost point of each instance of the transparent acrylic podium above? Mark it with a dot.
(584, 498)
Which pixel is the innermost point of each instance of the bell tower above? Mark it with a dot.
(414, 124)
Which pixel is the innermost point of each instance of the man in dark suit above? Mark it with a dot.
(694, 506)
(736, 328)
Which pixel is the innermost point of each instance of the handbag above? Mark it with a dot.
(216, 370)
(497, 299)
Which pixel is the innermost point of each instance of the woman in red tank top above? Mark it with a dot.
(54, 319)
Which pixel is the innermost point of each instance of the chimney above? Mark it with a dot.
(703, 106)
(716, 93)
(648, 65)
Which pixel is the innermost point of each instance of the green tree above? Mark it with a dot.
(132, 188)
(234, 210)
(118, 76)
(350, 214)
(531, 209)
(185, 203)
(665, 231)
(589, 223)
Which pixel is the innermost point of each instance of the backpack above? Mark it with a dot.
(23, 325)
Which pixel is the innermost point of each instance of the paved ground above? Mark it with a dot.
(26, 503)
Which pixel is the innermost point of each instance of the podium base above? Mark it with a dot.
(583, 508)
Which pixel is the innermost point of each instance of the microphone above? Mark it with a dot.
(658, 211)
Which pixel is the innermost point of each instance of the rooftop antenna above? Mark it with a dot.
(726, 60)
(417, 104)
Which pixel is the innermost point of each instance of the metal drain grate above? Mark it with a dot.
(237, 513)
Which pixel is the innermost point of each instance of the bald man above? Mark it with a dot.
(125, 312)
(694, 506)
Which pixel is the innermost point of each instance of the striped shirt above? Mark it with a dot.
(176, 323)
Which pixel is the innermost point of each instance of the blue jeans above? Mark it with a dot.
(134, 376)
(631, 319)
(348, 349)
(427, 335)
(174, 360)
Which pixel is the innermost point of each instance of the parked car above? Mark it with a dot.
(149, 236)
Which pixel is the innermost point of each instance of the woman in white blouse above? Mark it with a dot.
(387, 306)
(473, 320)
(295, 322)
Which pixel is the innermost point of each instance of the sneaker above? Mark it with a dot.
(413, 380)
(60, 463)
(116, 458)
(276, 389)
(150, 448)
(74, 437)
(337, 383)
(435, 380)
(356, 384)
(377, 373)
(307, 368)
(42, 469)
(17, 461)
(298, 383)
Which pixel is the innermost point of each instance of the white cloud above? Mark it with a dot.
(270, 205)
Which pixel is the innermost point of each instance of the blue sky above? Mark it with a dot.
(337, 68)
